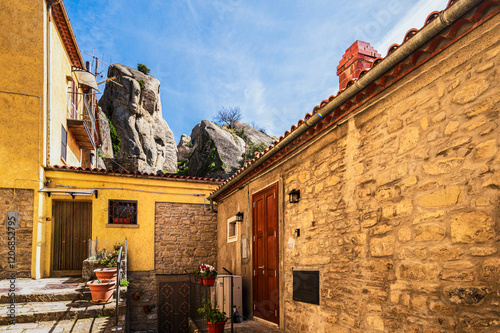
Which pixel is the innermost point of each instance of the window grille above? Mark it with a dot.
(122, 212)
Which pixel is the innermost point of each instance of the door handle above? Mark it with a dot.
(262, 267)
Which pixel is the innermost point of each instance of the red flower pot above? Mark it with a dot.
(146, 309)
(209, 281)
(216, 327)
(101, 292)
(136, 297)
(106, 273)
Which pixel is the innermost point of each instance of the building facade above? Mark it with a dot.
(379, 211)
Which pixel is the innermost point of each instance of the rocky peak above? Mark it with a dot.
(134, 108)
(215, 151)
(250, 134)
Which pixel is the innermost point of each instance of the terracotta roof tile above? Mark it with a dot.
(135, 173)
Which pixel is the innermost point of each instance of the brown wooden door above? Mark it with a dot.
(266, 254)
(72, 230)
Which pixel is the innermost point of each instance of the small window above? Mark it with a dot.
(232, 230)
(64, 143)
(122, 212)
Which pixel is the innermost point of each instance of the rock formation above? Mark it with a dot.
(217, 152)
(106, 149)
(250, 134)
(134, 108)
(184, 148)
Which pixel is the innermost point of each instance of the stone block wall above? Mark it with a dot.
(400, 205)
(21, 201)
(143, 284)
(399, 208)
(185, 237)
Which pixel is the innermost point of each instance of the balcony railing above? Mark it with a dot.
(82, 124)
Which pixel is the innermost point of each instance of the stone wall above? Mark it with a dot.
(21, 201)
(185, 237)
(400, 205)
(144, 285)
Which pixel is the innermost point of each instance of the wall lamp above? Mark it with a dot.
(294, 196)
(239, 217)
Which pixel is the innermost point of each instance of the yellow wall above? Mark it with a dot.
(22, 74)
(140, 240)
(59, 105)
(23, 102)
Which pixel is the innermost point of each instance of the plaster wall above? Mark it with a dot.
(60, 101)
(146, 191)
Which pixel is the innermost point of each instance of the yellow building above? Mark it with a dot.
(47, 119)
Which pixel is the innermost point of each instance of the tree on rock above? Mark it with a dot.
(143, 68)
(227, 116)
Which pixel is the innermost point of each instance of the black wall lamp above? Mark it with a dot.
(239, 217)
(294, 196)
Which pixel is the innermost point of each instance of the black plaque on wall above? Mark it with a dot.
(306, 286)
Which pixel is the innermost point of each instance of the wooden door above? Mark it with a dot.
(72, 230)
(266, 254)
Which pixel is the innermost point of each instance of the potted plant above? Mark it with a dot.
(109, 262)
(207, 274)
(101, 290)
(148, 308)
(215, 318)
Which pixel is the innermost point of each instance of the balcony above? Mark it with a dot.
(82, 124)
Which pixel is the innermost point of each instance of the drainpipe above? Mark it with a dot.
(445, 18)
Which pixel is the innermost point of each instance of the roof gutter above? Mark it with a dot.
(445, 18)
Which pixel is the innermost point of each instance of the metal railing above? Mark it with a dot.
(86, 114)
(216, 294)
(89, 119)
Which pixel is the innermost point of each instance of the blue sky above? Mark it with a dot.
(274, 59)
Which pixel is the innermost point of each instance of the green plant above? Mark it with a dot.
(211, 314)
(250, 153)
(115, 139)
(143, 68)
(124, 283)
(141, 83)
(109, 259)
(206, 270)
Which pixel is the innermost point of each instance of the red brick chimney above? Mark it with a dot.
(359, 56)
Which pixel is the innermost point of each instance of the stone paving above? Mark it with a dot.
(94, 325)
(55, 305)
(250, 326)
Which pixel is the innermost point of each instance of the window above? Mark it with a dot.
(64, 143)
(232, 230)
(122, 212)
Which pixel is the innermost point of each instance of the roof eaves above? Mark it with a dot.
(136, 174)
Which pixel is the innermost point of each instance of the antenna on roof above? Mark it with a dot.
(97, 61)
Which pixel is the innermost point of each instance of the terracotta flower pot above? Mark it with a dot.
(209, 281)
(136, 297)
(216, 327)
(101, 292)
(106, 273)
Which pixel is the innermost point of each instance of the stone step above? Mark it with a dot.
(32, 312)
(44, 290)
(94, 325)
